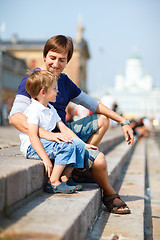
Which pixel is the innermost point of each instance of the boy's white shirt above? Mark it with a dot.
(22, 102)
(45, 117)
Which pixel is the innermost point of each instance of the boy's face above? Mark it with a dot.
(52, 92)
(56, 62)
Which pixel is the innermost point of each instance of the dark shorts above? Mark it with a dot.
(84, 128)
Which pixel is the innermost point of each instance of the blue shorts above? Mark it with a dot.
(70, 154)
(84, 128)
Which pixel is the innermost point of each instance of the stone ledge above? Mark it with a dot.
(65, 216)
(20, 177)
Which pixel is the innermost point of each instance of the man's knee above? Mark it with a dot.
(100, 162)
(103, 122)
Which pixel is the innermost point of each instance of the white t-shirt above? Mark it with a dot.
(44, 117)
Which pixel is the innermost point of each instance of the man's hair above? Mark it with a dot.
(59, 44)
(39, 79)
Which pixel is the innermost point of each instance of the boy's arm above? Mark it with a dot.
(19, 121)
(38, 147)
(65, 130)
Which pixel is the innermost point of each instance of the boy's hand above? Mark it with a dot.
(48, 168)
(90, 146)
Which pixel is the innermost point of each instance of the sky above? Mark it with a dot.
(112, 29)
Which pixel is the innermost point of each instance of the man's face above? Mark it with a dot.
(56, 62)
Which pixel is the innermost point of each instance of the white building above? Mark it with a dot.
(133, 80)
(133, 91)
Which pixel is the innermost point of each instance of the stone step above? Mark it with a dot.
(131, 186)
(20, 177)
(63, 216)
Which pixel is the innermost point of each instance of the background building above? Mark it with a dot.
(12, 70)
(19, 55)
(134, 91)
(32, 52)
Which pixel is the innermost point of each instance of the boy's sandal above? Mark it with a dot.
(77, 186)
(113, 208)
(61, 188)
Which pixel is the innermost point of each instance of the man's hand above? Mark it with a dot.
(88, 146)
(128, 133)
(59, 137)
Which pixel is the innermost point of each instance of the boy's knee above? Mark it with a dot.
(78, 142)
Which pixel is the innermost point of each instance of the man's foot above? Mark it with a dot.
(115, 205)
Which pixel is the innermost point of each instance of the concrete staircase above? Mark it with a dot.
(131, 187)
(29, 213)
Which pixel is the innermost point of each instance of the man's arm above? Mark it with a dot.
(17, 118)
(86, 101)
(102, 109)
(69, 133)
(19, 121)
(127, 130)
(96, 107)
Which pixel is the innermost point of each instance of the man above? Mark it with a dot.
(57, 53)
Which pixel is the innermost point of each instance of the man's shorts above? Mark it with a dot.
(84, 128)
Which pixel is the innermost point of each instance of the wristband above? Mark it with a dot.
(125, 123)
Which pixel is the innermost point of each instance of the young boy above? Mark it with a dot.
(41, 85)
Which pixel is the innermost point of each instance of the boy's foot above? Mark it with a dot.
(70, 182)
(61, 188)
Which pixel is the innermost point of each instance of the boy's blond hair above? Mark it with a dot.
(39, 79)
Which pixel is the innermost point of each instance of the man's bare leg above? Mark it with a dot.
(100, 174)
(103, 125)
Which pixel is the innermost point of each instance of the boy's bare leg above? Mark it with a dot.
(103, 125)
(56, 173)
(66, 174)
(100, 174)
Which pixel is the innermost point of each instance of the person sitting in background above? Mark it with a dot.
(139, 129)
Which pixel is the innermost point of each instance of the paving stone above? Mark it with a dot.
(113, 226)
(20, 177)
(2, 193)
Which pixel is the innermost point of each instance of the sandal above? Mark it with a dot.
(61, 188)
(108, 202)
(70, 182)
